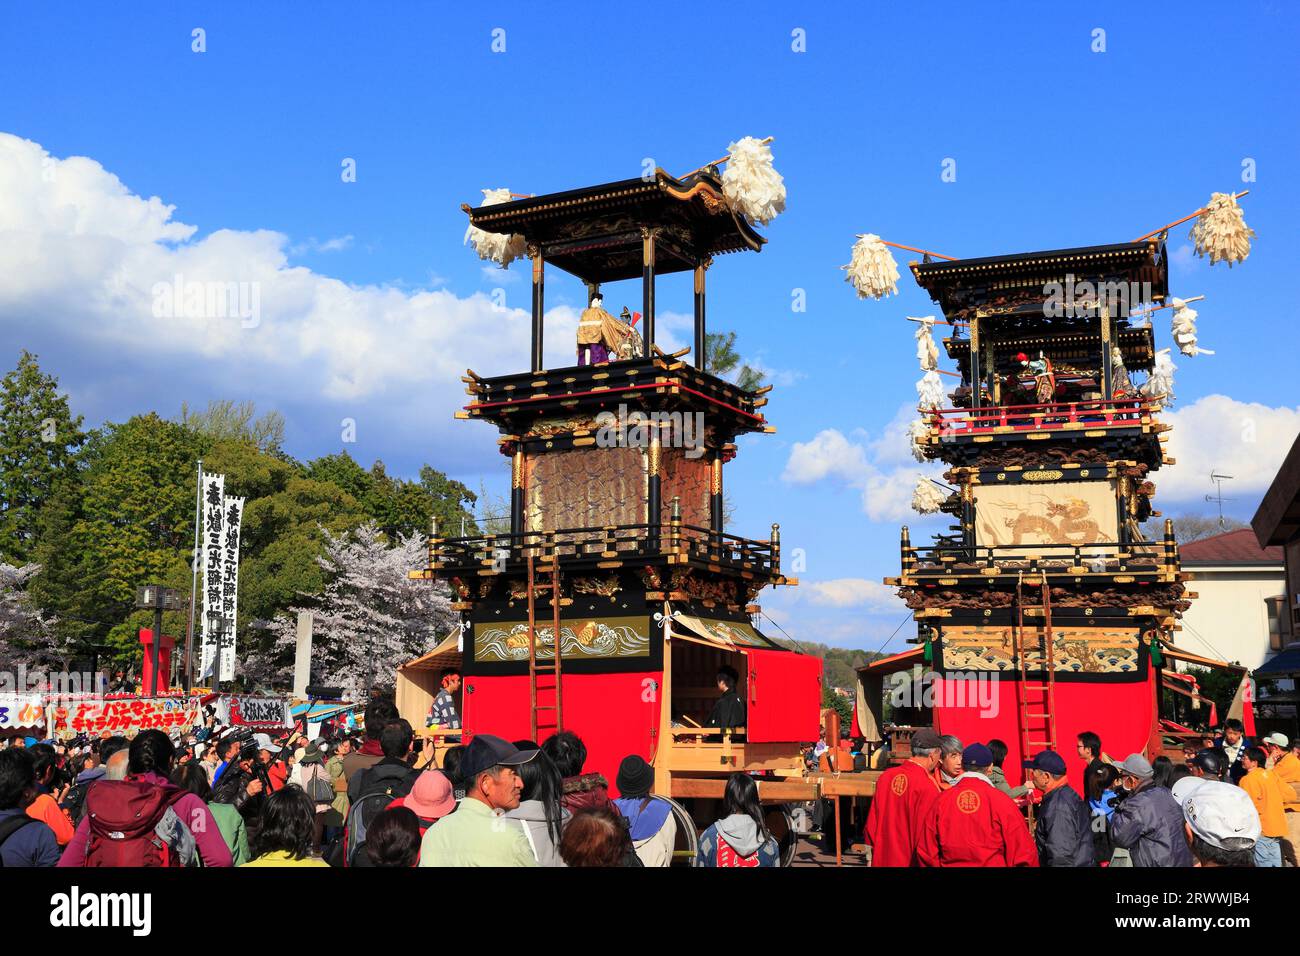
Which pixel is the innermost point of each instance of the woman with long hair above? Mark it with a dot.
(1164, 772)
(1098, 789)
(741, 837)
(284, 835)
(540, 811)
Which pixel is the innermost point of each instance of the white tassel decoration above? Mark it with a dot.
(927, 497)
(930, 391)
(1221, 231)
(920, 435)
(927, 353)
(753, 187)
(872, 271)
(1184, 329)
(1161, 383)
(492, 246)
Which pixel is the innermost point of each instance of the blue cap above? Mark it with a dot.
(977, 755)
(1049, 761)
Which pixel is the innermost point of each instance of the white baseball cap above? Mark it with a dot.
(1277, 739)
(1221, 814)
(1182, 789)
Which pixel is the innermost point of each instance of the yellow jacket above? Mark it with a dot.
(1288, 768)
(283, 858)
(1266, 790)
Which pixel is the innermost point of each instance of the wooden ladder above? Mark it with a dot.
(1032, 708)
(555, 666)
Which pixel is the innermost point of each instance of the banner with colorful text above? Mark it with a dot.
(262, 713)
(128, 716)
(21, 710)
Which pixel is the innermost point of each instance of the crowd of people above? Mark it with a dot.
(1225, 805)
(222, 796)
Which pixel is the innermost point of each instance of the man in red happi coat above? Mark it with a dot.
(904, 797)
(974, 823)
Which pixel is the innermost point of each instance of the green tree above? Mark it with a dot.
(842, 706)
(397, 506)
(129, 523)
(39, 438)
(722, 360)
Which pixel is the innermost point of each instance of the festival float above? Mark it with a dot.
(616, 594)
(1045, 610)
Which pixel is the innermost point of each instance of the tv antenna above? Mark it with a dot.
(1218, 480)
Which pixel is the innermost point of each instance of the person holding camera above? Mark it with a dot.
(51, 787)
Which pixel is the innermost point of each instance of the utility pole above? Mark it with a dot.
(195, 558)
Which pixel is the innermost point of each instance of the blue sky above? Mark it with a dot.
(372, 304)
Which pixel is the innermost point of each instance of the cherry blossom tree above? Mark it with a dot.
(371, 618)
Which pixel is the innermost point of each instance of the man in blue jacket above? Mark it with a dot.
(1063, 829)
(23, 841)
(1148, 822)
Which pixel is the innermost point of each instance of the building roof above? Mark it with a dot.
(1285, 664)
(595, 234)
(1278, 519)
(961, 282)
(1231, 547)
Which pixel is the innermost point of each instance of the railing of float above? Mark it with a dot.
(1101, 557)
(604, 543)
(956, 422)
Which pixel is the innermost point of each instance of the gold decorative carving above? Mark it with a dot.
(1044, 475)
(606, 587)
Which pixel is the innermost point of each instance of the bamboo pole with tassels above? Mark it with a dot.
(1178, 222)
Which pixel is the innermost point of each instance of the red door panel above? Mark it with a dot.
(784, 696)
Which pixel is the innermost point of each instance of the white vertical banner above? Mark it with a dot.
(214, 519)
(234, 508)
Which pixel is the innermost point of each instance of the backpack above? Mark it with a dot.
(125, 817)
(389, 779)
(361, 815)
(10, 827)
(318, 786)
(74, 801)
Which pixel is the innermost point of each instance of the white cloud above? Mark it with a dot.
(84, 252)
(337, 244)
(851, 592)
(828, 455)
(1247, 440)
(882, 468)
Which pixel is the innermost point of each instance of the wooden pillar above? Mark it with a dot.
(539, 303)
(1107, 373)
(975, 376)
(700, 330)
(968, 513)
(648, 290)
(715, 493)
(517, 504)
(654, 516)
(995, 388)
